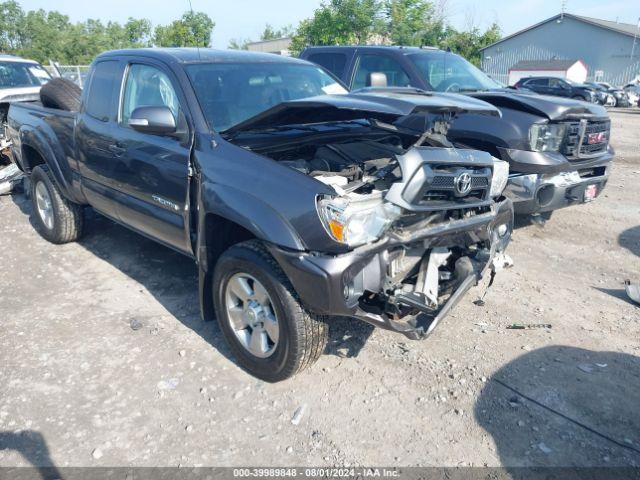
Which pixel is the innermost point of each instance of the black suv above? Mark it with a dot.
(558, 87)
(557, 148)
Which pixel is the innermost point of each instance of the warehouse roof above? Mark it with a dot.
(624, 28)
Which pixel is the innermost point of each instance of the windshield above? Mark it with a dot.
(230, 93)
(22, 74)
(447, 72)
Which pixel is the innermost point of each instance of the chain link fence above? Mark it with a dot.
(75, 73)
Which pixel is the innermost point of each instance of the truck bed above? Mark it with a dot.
(52, 129)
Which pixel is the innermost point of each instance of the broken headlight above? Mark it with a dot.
(355, 220)
(546, 137)
(500, 177)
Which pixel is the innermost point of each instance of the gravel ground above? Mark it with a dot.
(104, 361)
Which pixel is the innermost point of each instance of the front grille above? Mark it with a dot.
(442, 188)
(576, 145)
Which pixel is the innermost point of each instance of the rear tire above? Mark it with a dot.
(62, 94)
(301, 336)
(57, 219)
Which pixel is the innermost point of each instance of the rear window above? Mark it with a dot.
(334, 62)
(98, 103)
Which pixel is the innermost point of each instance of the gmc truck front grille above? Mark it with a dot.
(585, 139)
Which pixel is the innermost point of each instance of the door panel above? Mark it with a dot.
(153, 170)
(153, 178)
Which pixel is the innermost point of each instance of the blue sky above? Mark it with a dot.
(246, 18)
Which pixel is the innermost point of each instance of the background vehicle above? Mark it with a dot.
(602, 94)
(558, 149)
(320, 205)
(616, 97)
(20, 81)
(560, 87)
(633, 92)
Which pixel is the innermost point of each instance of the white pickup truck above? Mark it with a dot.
(20, 81)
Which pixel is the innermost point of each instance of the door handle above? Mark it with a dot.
(117, 149)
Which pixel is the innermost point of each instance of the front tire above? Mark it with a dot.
(269, 332)
(57, 219)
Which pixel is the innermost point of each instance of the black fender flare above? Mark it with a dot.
(246, 211)
(34, 138)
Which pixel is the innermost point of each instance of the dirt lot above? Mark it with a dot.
(80, 387)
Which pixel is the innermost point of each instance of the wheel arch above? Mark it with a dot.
(34, 151)
(226, 217)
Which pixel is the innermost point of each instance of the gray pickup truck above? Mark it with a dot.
(297, 200)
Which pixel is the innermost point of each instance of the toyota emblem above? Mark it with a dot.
(462, 184)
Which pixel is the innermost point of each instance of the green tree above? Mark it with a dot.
(45, 35)
(469, 42)
(11, 22)
(340, 22)
(192, 30)
(137, 33)
(270, 33)
(407, 21)
(238, 44)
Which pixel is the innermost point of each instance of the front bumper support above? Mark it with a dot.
(335, 285)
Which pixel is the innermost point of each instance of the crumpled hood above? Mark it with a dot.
(554, 108)
(376, 104)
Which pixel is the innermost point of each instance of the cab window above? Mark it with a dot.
(334, 62)
(147, 86)
(103, 81)
(538, 82)
(368, 64)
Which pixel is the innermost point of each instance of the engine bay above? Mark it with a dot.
(362, 165)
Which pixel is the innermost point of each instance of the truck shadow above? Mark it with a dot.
(347, 337)
(630, 239)
(172, 279)
(562, 406)
(33, 448)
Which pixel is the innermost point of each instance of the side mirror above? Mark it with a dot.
(153, 120)
(377, 79)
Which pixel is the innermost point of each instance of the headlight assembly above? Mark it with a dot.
(356, 220)
(500, 177)
(546, 137)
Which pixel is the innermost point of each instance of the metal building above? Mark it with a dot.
(279, 46)
(610, 50)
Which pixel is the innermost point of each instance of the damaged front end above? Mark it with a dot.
(421, 243)
(415, 222)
